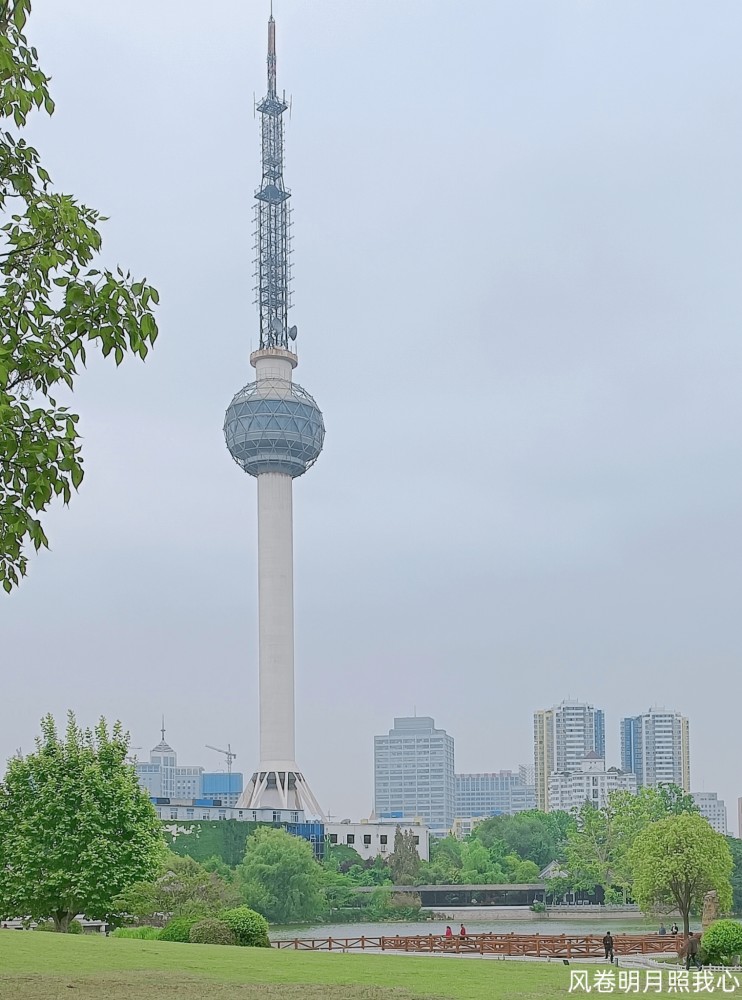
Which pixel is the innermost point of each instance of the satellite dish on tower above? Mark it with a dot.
(292, 332)
(276, 324)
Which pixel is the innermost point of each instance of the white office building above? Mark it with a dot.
(493, 793)
(589, 782)
(372, 840)
(562, 735)
(655, 747)
(414, 774)
(713, 809)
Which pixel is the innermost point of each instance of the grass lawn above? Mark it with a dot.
(50, 967)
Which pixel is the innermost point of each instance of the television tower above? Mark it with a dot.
(274, 431)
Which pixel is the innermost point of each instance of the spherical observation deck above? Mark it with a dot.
(274, 426)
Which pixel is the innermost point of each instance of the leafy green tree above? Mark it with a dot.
(478, 864)
(404, 863)
(520, 871)
(444, 867)
(675, 801)
(371, 872)
(280, 877)
(597, 849)
(532, 835)
(183, 888)
(678, 859)
(76, 829)
(735, 847)
(54, 306)
(340, 857)
(218, 867)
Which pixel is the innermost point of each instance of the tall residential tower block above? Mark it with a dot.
(655, 747)
(562, 735)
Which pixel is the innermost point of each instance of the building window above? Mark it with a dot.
(416, 841)
(350, 839)
(367, 839)
(173, 814)
(383, 839)
(333, 838)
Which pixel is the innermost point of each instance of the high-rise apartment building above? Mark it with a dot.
(562, 735)
(655, 747)
(493, 793)
(414, 774)
(713, 809)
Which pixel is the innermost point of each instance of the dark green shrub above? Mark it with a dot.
(212, 931)
(75, 927)
(45, 925)
(722, 942)
(250, 929)
(178, 929)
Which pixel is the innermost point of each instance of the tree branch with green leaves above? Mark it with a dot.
(54, 307)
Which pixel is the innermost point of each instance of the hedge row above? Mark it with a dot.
(241, 926)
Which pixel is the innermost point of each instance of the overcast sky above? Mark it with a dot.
(517, 263)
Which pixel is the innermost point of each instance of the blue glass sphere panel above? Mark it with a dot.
(276, 428)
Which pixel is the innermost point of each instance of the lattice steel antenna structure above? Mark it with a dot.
(274, 431)
(273, 217)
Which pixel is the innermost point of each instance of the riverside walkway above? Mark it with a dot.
(570, 946)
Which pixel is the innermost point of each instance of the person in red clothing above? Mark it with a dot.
(462, 932)
(449, 932)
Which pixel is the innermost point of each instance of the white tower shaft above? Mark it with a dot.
(276, 620)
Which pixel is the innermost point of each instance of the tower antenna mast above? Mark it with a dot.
(273, 216)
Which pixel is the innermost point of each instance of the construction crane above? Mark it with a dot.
(229, 754)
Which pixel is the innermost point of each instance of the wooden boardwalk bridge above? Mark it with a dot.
(570, 946)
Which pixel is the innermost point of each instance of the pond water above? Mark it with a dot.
(544, 925)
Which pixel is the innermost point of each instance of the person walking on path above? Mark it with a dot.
(662, 930)
(674, 930)
(449, 932)
(608, 945)
(462, 932)
(691, 951)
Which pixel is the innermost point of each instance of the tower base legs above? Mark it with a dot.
(286, 788)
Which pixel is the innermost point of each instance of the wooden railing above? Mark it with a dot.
(517, 945)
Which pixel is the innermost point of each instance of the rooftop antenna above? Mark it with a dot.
(229, 754)
(163, 728)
